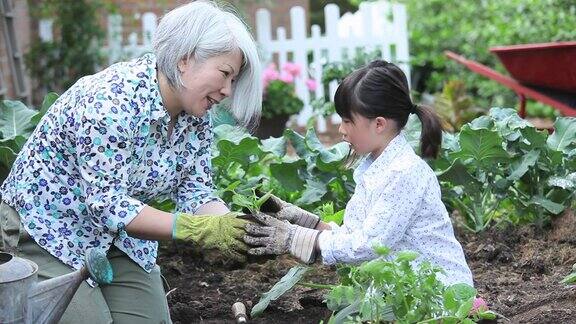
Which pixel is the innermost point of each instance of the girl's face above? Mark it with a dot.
(208, 82)
(363, 134)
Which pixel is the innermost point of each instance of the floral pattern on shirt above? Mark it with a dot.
(98, 155)
(396, 203)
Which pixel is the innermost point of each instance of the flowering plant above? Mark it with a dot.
(279, 92)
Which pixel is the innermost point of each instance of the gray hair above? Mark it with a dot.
(201, 30)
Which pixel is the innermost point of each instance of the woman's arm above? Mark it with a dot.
(151, 224)
(213, 208)
(154, 224)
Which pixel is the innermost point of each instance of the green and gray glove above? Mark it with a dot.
(278, 237)
(282, 210)
(213, 232)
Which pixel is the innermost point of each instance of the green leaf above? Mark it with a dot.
(286, 283)
(15, 119)
(336, 217)
(412, 131)
(298, 142)
(340, 297)
(343, 315)
(458, 175)
(382, 250)
(288, 174)
(49, 99)
(242, 153)
(488, 315)
(313, 192)
(533, 138)
(231, 133)
(406, 256)
(564, 134)
(525, 162)
(312, 141)
(549, 205)
(500, 114)
(483, 122)
(7, 156)
(569, 279)
(276, 146)
(567, 183)
(456, 294)
(483, 147)
(465, 308)
(332, 158)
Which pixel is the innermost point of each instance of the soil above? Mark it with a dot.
(517, 270)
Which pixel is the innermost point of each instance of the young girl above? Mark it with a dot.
(397, 201)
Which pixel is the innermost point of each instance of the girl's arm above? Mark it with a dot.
(385, 223)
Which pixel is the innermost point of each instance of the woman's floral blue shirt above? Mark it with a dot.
(98, 155)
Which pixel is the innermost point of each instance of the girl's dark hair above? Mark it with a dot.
(380, 89)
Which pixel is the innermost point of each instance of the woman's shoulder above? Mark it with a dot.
(130, 85)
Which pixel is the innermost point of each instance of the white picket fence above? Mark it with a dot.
(377, 25)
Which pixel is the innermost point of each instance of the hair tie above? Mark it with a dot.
(414, 109)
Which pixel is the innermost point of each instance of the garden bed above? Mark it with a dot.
(517, 270)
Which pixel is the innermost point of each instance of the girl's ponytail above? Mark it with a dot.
(431, 136)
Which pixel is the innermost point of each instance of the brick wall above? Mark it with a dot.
(279, 10)
(26, 26)
(22, 23)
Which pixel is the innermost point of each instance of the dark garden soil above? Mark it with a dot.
(517, 270)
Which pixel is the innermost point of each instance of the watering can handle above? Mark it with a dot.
(98, 266)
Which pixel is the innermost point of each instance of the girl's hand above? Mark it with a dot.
(277, 237)
(282, 210)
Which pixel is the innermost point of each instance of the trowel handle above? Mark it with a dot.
(98, 267)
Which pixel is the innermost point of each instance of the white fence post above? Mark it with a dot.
(368, 29)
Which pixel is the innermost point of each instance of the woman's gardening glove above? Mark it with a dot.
(282, 210)
(275, 236)
(213, 232)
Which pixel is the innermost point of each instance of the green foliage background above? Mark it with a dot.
(470, 28)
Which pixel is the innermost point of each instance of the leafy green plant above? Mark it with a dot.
(388, 289)
(501, 167)
(75, 49)
(243, 163)
(328, 214)
(17, 121)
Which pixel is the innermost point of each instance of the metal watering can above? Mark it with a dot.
(24, 300)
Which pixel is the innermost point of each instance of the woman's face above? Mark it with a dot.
(207, 83)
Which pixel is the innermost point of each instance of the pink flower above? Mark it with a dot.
(311, 84)
(479, 305)
(292, 68)
(286, 77)
(270, 74)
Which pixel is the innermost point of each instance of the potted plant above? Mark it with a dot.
(280, 100)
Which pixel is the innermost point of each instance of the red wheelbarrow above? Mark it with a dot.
(544, 72)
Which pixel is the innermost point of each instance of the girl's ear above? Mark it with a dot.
(381, 124)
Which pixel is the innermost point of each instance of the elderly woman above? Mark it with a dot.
(136, 131)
